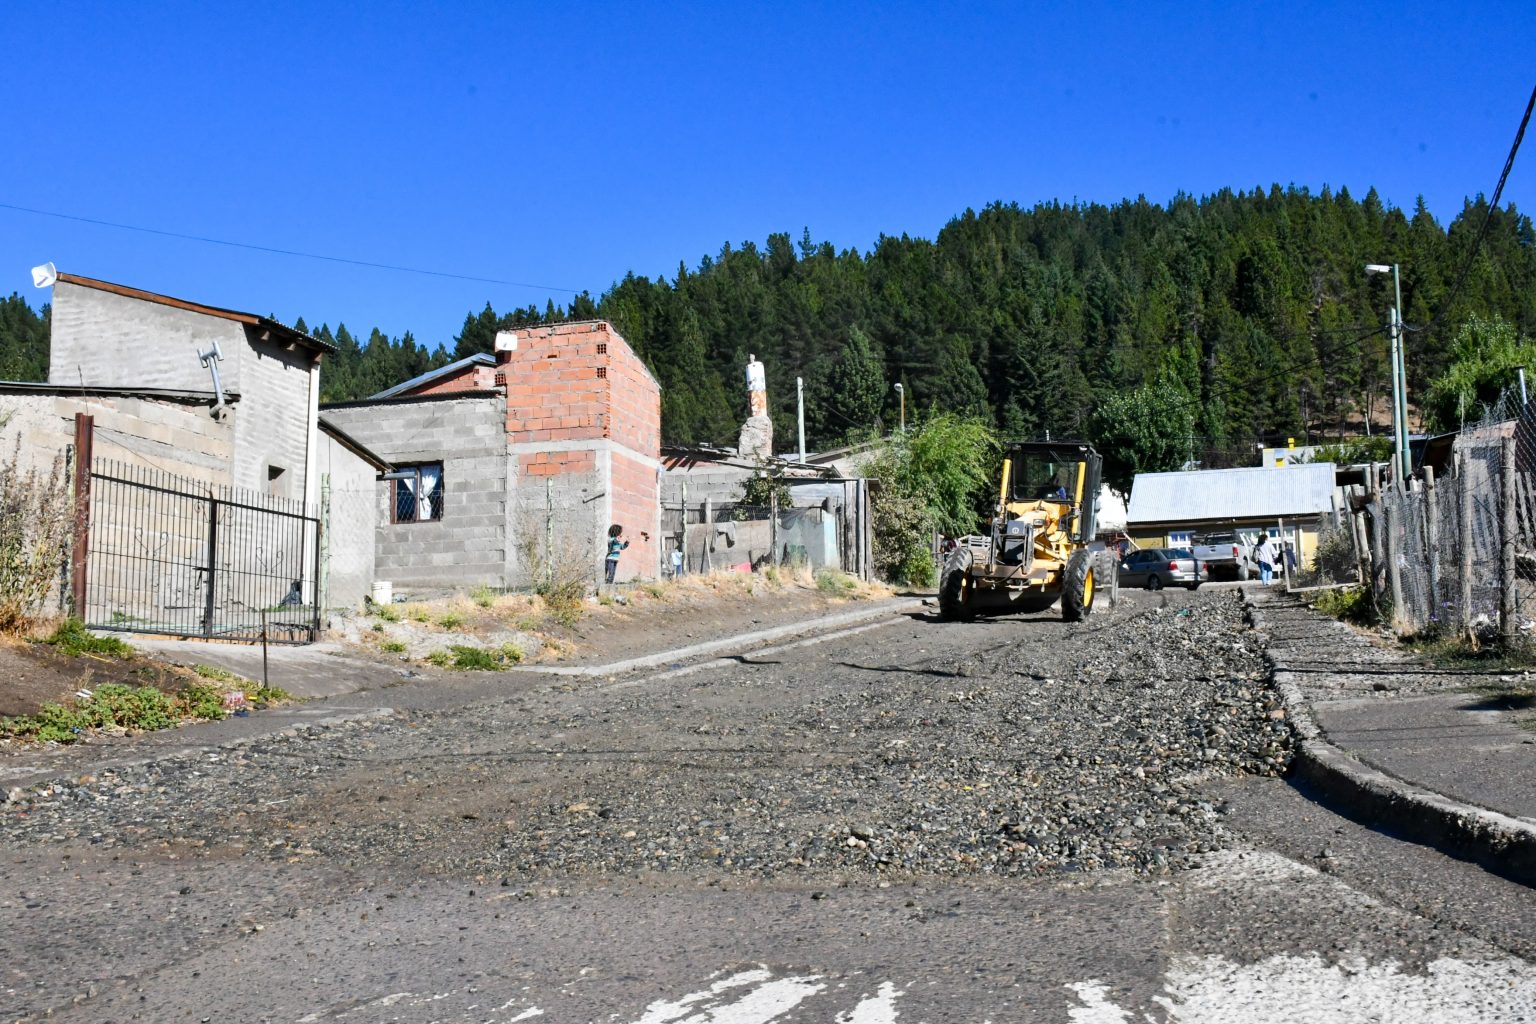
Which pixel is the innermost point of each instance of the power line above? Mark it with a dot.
(289, 252)
(1482, 231)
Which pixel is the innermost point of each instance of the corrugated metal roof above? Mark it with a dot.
(478, 359)
(1249, 493)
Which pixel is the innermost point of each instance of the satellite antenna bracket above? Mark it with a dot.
(211, 359)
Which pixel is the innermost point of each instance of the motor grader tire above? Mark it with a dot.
(1107, 577)
(952, 595)
(1081, 583)
(954, 589)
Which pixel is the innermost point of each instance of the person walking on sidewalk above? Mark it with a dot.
(615, 545)
(1265, 556)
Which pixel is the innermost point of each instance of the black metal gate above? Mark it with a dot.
(174, 557)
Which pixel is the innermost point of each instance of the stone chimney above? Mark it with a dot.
(757, 433)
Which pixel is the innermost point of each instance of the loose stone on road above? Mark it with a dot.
(1011, 819)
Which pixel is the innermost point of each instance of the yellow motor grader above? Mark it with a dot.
(1037, 550)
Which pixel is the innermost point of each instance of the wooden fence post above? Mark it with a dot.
(1390, 521)
(79, 556)
(1507, 531)
(1432, 539)
(1464, 550)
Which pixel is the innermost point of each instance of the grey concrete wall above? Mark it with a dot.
(468, 546)
(109, 340)
(558, 527)
(352, 520)
(274, 426)
(175, 438)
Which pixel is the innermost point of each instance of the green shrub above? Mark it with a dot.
(452, 620)
(392, 647)
(388, 613)
(511, 653)
(36, 517)
(474, 659)
(203, 701)
(214, 672)
(483, 596)
(442, 659)
(1352, 604)
(74, 639)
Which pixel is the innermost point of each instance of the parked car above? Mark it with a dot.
(1156, 568)
(1225, 553)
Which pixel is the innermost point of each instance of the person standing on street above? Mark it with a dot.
(1265, 556)
(615, 545)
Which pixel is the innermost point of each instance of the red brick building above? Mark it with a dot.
(581, 418)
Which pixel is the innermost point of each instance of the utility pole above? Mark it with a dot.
(901, 395)
(1403, 465)
(800, 412)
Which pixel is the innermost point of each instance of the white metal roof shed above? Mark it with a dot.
(1258, 492)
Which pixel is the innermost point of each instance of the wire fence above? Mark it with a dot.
(1456, 551)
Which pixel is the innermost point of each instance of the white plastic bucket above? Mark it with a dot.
(383, 592)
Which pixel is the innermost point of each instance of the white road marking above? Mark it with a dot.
(758, 1005)
(1096, 1008)
(1285, 989)
(877, 1009)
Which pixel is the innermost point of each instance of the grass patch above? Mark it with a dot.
(452, 620)
(392, 647)
(213, 672)
(657, 590)
(416, 613)
(74, 639)
(388, 613)
(1352, 604)
(836, 584)
(463, 658)
(483, 596)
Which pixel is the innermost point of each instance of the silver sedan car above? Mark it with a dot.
(1156, 568)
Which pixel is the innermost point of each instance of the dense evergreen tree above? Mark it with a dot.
(1251, 309)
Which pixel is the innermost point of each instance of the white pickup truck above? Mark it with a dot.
(1226, 554)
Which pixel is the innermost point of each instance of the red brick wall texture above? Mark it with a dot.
(576, 382)
(582, 382)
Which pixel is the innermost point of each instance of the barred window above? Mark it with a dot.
(418, 493)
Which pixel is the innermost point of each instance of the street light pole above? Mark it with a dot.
(901, 394)
(1399, 374)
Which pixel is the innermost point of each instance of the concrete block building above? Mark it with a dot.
(191, 406)
(511, 466)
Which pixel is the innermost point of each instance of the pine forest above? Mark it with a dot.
(1247, 316)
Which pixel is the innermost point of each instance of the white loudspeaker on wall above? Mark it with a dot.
(44, 276)
(506, 341)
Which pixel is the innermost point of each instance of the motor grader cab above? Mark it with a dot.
(1036, 552)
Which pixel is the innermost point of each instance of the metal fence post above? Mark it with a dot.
(1507, 531)
(213, 558)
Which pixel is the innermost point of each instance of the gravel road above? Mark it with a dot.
(902, 753)
(1014, 819)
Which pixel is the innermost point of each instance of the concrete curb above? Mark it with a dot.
(741, 641)
(1498, 842)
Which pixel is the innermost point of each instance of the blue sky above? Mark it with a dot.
(562, 145)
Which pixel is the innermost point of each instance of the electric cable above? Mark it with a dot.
(290, 252)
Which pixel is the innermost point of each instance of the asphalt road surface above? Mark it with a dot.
(1005, 820)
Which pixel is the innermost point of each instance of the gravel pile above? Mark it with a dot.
(1060, 748)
